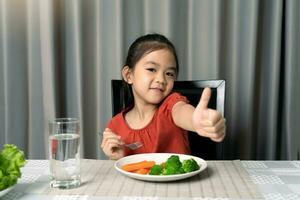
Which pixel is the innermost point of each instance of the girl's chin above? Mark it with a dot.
(156, 100)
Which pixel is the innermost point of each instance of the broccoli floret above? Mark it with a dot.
(172, 166)
(181, 171)
(172, 171)
(169, 171)
(190, 165)
(174, 162)
(155, 170)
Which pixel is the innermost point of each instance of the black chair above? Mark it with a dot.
(200, 146)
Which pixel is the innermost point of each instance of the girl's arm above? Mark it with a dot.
(203, 120)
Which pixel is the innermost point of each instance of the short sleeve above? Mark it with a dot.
(172, 99)
(114, 122)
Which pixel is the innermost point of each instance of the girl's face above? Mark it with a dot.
(153, 77)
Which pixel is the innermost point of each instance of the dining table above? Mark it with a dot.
(221, 180)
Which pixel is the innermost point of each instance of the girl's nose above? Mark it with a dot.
(160, 78)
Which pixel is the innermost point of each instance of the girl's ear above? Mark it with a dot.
(126, 73)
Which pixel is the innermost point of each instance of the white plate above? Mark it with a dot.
(3, 192)
(158, 158)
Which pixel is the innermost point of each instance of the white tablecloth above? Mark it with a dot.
(222, 180)
(275, 179)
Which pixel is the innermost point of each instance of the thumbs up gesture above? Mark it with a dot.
(208, 122)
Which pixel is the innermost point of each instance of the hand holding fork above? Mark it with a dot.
(112, 145)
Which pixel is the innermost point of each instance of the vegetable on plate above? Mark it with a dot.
(138, 165)
(172, 166)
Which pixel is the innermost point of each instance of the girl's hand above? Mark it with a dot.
(112, 145)
(208, 122)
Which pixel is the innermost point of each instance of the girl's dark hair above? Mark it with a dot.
(138, 49)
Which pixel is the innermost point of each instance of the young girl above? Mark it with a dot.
(158, 117)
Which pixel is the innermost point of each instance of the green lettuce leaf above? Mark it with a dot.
(11, 160)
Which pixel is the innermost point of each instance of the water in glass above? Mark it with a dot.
(64, 158)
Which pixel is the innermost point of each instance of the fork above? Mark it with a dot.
(132, 146)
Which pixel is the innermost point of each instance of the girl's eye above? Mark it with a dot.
(171, 74)
(151, 69)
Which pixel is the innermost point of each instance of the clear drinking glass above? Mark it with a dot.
(64, 153)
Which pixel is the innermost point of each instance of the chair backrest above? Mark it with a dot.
(200, 146)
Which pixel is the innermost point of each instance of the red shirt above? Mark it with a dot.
(161, 135)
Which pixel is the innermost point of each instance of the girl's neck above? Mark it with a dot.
(140, 115)
(142, 112)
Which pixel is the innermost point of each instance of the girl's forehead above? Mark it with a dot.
(163, 56)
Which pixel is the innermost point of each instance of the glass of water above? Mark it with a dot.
(64, 153)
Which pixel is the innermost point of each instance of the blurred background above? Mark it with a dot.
(57, 58)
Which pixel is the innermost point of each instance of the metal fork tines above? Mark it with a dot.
(134, 145)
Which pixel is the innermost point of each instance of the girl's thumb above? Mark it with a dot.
(204, 100)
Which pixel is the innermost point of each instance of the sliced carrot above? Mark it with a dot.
(139, 165)
(129, 164)
(142, 171)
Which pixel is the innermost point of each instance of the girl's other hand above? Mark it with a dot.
(112, 145)
(208, 122)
